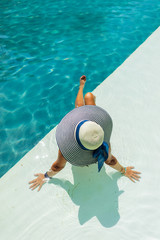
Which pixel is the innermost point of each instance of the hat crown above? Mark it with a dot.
(91, 135)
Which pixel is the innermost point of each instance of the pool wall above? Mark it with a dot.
(80, 203)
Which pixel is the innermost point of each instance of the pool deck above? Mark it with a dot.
(80, 203)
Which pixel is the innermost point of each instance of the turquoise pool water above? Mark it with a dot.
(45, 46)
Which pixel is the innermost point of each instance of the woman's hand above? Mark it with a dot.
(132, 174)
(38, 182)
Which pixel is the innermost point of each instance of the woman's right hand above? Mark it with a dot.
(38, 182)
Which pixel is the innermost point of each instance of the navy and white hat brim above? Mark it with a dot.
(65, 138)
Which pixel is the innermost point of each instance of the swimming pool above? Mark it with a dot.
(46, 47)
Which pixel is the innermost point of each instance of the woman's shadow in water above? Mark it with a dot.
(95, 193)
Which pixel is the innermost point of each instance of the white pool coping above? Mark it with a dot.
(80, 203)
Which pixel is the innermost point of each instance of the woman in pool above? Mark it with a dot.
(83, 138)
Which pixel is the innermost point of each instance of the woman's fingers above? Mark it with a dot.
(36, 174)
(33, 185)
(36, 185)
(132, 175)
(131, 179)
(137, 172)
(33, 181)
(134, 171)
(136, 177)
(40, 187)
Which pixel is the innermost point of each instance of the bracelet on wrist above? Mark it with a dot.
(124, 170)
(46, 175)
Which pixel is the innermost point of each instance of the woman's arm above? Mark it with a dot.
(57, 166)
(113, 162)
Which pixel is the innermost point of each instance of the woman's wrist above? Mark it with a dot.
(49, 174)
(123, 170)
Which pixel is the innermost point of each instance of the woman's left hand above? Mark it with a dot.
(132, 175)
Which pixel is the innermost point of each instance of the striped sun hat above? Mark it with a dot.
(70, 135)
